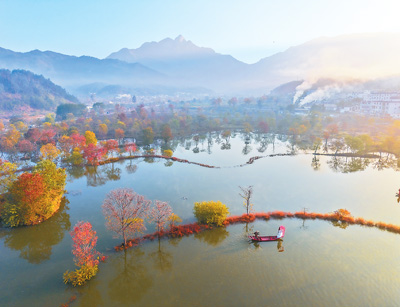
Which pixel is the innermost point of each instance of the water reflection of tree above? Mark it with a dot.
(196, 140)
(113, 173)
(383, 163)
(149, 160)
(162, 258)
(90, 295)
(348, 165)
(131, 167)
(335, 164)
(95, 176)
(209, 143)
(75, 172)
(213, 237)
(174, 241)
(340, 224)
(168, 163)
(246, 149)
(315, 163)
(355, 165)
(188, 145)
(35, 242)
(263, 140)
(226, 146)
(248, 230)
(271, 138)
(132, 280)
(226, 135)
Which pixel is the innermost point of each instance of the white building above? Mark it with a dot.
(381, 104)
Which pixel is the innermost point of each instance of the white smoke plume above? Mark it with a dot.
(300, 89)
(321, 93)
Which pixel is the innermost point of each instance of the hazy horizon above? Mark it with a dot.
(248, 32)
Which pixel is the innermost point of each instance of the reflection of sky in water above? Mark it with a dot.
(318, 256)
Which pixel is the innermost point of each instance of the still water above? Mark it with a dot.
(317, 264)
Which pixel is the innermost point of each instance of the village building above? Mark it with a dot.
(381, 104)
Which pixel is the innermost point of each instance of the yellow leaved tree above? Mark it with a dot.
(210, 212)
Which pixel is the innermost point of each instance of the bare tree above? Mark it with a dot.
(125, 212)
(160, 214)
(246, 194)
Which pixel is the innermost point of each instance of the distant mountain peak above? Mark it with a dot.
(180, 39)
(164, 50)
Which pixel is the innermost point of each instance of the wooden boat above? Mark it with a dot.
(280, 235)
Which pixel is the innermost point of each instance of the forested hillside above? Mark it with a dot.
(21, 89)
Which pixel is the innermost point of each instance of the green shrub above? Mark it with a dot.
(210, 212)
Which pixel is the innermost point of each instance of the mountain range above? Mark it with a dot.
(178, 65)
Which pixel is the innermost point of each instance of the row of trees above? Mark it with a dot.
(126, 213)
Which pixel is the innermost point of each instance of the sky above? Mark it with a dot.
(248, 30)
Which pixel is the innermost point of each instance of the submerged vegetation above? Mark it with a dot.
(86, 257)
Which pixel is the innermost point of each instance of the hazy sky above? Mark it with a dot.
(248, 30)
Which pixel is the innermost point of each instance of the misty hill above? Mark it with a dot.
(72, 71)
(286, 89)
(357, 56)
(180, 58)
(20, 89)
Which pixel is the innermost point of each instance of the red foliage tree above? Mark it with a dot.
(30, 187)
(78, 141)
(111, 146)
(125, 212)
(84, 245)
(131, 148)
(33, 135)
(26, 147)
(47, 136)
(93, 154)
(160, 214)
(27, 194)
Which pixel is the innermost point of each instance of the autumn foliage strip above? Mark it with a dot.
(188, 229)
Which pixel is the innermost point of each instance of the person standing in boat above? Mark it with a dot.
(256, 233)
(280, 233)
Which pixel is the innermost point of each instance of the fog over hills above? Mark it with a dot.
(357, 56)
(179, 65)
